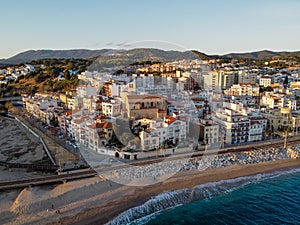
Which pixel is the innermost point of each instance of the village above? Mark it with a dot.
(141, 110)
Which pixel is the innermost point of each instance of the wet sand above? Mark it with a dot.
(125, 197)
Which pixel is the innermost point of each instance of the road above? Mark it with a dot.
(97, 171)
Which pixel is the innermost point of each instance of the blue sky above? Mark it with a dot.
(213, 27)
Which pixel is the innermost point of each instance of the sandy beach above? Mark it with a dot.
(97, 201)
(186, 179)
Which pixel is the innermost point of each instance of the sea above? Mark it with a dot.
(258, 199)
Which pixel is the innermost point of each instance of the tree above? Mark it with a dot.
(70, 66)
(286, 80)
(264, 89)
(67, 75)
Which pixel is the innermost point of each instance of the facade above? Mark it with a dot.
(272, 101)
(234, 126)
(209, 132)
(261, 120)
(211, 81)
(78, 130)
(248, 77)
(227, 79)
(149, 140)
(114, 88)
(150, 106)
(265, 81)
(161, 131)
(255, 131)
(112, 108)
(243, 90)
(283, 119)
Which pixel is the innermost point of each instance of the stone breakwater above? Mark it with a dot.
(205, 162)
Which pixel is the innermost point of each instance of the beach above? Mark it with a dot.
(97, 201)
(182, 180)
(100, 199)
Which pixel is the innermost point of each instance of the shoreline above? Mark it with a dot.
(186, 179)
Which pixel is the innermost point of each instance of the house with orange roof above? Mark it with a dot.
(159, 131)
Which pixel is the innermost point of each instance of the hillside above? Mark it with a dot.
(146, 54)
(106, 56)
(28, 56)
(259, 55)
(46, 79)
(116, 57)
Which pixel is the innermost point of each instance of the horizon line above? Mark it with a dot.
(126, 49)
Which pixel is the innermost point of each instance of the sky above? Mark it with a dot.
(212, 27)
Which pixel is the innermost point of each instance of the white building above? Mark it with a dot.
(249, 77)
(211, 81)
(170, 129)
(255, 131)
(243, 89)
(265, 81)
(149, 140)
(209, 132)
(227, 79)
(112, 108)
(234, 126)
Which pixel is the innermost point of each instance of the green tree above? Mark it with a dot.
(70, 66)
(67, 75)
(286, 80)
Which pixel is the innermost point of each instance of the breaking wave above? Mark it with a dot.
(170, 199)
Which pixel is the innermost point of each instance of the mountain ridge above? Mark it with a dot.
(259, 55)
(135, 54)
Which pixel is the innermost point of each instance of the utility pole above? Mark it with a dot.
(287, 129)
(285, 139)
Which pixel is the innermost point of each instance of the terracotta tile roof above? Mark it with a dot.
(101, 117)
(170, 119)
(106, 125)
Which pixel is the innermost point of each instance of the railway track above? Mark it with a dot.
(72, 175)
(257, 146)
(46, 179)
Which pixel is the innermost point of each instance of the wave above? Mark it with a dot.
(171, 199)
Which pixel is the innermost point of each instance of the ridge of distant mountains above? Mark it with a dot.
(133, 55)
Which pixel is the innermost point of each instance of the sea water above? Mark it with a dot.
(259, 199)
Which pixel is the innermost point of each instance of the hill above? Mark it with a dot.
(107, 56)
(145, 54)
(259, 55)
(28, 56)
(117, 57)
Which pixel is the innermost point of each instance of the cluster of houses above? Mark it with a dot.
(189, 101)
(13, 73)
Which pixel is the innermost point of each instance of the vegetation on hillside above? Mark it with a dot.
(45, 77)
